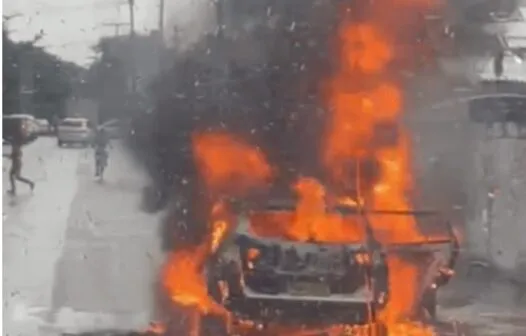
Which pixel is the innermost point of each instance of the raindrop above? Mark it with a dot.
(292, 26)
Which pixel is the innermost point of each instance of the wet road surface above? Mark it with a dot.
(484, 308)
(78, 254)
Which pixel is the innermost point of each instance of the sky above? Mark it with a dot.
(72, 27)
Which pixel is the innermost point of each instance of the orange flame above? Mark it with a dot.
(184, 271)
(310, 221)
(228, 165)
(364, 124)
(189, 290)
(364, 101)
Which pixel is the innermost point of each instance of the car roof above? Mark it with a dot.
(19, 116)
(75, 119)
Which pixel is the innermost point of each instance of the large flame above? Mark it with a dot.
(229, 165)
(184, 280)
(365, 123)
(310, 221)
(366, 155)
(184, 272)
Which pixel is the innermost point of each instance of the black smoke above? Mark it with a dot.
(263, 83)
(272, 101)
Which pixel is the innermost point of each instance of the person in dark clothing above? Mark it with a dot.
(100, 144)
(16, 168)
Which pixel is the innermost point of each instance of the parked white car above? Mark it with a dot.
(74, 131)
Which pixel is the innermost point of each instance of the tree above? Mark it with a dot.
(53, 79)
(108, 82)
(11, 78)
(119, 59)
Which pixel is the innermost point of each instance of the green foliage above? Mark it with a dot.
(54, 80)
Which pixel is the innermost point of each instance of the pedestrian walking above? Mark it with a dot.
(16, 168)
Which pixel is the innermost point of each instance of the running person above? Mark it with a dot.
(16, 168)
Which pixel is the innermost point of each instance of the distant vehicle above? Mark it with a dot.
(74, 131)
(20, 127)
(44, 127)
(115, 128)
(262, 276)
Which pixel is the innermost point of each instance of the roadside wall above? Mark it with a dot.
(455, 162)
(505, 160)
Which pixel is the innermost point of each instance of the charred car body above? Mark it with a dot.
(274, 280)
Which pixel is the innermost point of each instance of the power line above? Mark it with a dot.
(94, 5)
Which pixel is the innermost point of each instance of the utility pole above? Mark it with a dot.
(161, 41)
(131, 4)
(161, 19)
(220, 19)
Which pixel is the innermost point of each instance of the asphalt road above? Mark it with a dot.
(78, 254)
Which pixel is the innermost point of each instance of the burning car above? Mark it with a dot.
(264, 275)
